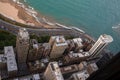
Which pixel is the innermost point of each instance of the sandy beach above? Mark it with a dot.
(10, 11)
(19, 12)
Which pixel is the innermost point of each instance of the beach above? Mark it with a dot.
(9, 11)
(21, 13)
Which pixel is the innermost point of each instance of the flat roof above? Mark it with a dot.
(93, 66)
(59, 40)
(23, 33)
(56, 70)
(106, 38)
(83, 75)
(11, 61)
(47, 45)
(79, 54)
(36, 76)
(78, 41)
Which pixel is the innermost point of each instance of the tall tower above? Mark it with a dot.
(53, 72)
(11, 61)
(59, 45)
(22, 45)
(101, 43)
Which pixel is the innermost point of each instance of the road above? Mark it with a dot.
(43, 31)
(38, 31)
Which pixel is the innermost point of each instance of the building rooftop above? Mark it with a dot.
(92, 67)
(106, 38)
(34, 43)
(36, 77)
(78, 41)
(60, 41)
(11, 61)
(79, 54)
(56, 70)
(71, 43)
(83, 75)
(3, 59)
(47, 45)
(23, 33)
(35, 46)
(29, 77)
(82, 65)
(68, 69)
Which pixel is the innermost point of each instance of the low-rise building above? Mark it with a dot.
(92, 68)
(67, 71)
(76, 57)
(82, 65)
(78, 44)
(29, 77)
(36, 66)
(82, 75)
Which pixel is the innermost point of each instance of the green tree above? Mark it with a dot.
(7, 39)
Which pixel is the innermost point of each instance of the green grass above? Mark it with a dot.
(7, 39)
(69, 37)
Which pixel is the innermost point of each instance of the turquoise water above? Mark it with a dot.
(95, 17)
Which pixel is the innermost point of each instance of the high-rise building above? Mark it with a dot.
(59, 45)
(22, 45)
(104, 59)
(33, 51)
(101, 43)
(53, 72)
(11, 61)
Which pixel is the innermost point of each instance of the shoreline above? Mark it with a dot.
(29, 11)
(25, 13)
(11, 14)
(50, 21)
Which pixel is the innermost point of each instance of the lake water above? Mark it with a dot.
(95, 17)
